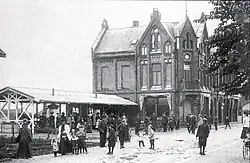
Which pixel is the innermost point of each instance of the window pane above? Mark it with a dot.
(104, 77)
(144, 75)
(125, 76)
(168, 74)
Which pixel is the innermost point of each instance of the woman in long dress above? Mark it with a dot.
(64, 136)
(24, 139)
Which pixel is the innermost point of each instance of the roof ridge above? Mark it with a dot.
(127, 27)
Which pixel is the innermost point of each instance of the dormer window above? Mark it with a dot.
(156, 39)
(144, 49)
(168, 47)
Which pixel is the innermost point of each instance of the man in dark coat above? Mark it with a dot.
(188, 121)
(52, 120)
(153, 119)
(171, 124)
(122, 133)
(63, 117)
(137, 124)
(193, 122)
(216, 123)
(210, 121)
(111, 139)
(203, 133)
(165, 122)
(24, 139)
(227, 123)
(102, 127)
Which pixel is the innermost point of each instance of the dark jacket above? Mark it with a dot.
(203, 131)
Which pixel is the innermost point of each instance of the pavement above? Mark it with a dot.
(223, 145)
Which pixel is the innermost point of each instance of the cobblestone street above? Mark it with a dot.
(224, 145)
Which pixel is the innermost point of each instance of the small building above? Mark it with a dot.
(157, 66)
(17, 102)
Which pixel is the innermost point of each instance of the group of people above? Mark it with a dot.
(164, 122)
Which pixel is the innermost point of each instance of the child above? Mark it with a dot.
(111, 139)
(74, 140)
(141, 134)
(151, 137)
(81, 134)
(55, 145)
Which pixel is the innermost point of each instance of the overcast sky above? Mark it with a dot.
(48, 42)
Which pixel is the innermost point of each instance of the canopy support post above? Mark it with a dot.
(32, 120)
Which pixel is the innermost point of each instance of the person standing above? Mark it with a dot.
(203, 133)
(188, 119)
(153, 119)
(227, 123)
(165, 122)
(246, 126)
(193, 123)
(64, 136)
(122, 133)
(102, 127)
(24, 140)
(177, 123)
(111, 139)
(151, 136)
(137, 124)
(216, 123)
(210, 121)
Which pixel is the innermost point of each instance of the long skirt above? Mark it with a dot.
(103, 139)
(245, 130)
(24, 149)
(64, 146)
(202, 141)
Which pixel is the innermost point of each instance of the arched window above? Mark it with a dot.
(144, 50)
(168, 47)
(156, 39)
(188, 43)
(184, 44)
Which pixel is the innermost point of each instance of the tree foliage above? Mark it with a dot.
(232, 46)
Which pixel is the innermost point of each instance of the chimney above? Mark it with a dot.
(53, 92)
(135, 23)
(105, 24)
(156, 15)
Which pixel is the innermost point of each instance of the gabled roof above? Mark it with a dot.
(2, 53)
(121, 39)
(125, 39)
(40, 95)
(199, 29)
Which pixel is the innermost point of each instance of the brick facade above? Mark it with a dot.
(158, 78)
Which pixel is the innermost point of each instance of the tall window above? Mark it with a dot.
(144, 49)
(144, 75)
(168, 74)
(156, 72)
(104, 77)
(156, 39)
(125, 77)
(168, 47)
(188, 43)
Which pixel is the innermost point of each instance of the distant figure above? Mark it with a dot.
(141, 134)
(153, 119)
(165, 122)
(111, 139)
(210, 121)
(52, 120)
(81, 134)
(216, 123)
(188, 122)
(177, 123)
(200, 120)
(102, 127)
(122, 133)
(63, 117)
(227, 123)
(24, 139)
(137, 124)
(203, 133)
(193, 123)
(151, 136)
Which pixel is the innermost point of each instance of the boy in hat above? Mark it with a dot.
(111, 139)
(203, 133)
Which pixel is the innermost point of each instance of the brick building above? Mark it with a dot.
(157, 67)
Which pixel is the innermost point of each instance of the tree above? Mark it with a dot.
(232, 45)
